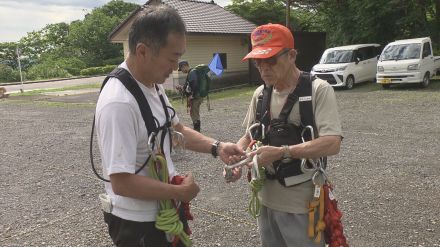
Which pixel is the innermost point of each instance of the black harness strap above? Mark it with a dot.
(303, 89)
(305, 105)
(302, 92)
(130, 83)
(151, 123)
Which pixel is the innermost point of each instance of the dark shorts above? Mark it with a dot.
(127, 233)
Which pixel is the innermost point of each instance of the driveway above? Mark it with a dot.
(53, 84)
(386, 176)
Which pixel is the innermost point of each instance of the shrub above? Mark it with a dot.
(98, 70)
(116, 60)
(72, 65)
(46, 70)
(8, 74)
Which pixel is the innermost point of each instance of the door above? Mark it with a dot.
(427, 63)
(361, 67)
(371, 63)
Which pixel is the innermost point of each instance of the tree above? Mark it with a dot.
(8, 54)
(89, 37)
(302, 16)
(350, 21)
(377, 21)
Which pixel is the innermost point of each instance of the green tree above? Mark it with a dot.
(303, 14)
(89, 37)
(352, 21)
(8, 54)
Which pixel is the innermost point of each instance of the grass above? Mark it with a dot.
(42, 91)
(245, 91)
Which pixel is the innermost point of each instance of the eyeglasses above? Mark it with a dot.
(270, 61)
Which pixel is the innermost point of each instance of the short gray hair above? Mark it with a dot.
(152, 26)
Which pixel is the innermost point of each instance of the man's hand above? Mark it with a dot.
(267, 154)
(188, 189)
(236, 174)
(228, 152)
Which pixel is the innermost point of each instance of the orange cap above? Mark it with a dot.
(267, 40)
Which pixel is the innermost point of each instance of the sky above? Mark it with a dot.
(17, 18)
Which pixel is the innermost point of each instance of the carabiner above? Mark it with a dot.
(150, 145)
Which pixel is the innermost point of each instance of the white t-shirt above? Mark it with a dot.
(123, 137)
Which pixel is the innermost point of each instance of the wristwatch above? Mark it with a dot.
(286, 152)
(214, 149)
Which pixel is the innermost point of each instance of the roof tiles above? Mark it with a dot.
(208, 17)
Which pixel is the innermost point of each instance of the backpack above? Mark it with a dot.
(203, 81)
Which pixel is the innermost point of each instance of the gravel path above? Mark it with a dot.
(387, 174)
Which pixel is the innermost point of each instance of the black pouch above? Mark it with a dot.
(282, 133)
(288, 171)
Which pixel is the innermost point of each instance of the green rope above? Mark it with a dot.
(256, 186)
(167, 220)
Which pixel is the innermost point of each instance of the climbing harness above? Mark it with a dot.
(289, 172)
(168, 219)
(151, 122)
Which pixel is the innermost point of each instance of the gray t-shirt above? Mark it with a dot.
(295, 199)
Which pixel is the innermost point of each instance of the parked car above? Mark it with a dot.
(407, 61)
(345, 66)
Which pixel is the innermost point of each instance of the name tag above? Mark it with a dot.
(305, 98)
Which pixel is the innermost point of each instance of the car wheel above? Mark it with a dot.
(386, 86)
(425, 81)
(349, 83)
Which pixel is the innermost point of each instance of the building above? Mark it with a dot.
(210, 29)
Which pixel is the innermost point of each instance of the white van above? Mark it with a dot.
(407, 61)
(347, 65)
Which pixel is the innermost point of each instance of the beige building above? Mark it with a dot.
(211, 29)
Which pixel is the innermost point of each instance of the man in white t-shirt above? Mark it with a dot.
(156, 42)
(284, 220)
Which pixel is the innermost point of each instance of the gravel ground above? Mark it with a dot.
(386, 174)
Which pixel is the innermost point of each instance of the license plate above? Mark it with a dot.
(385, 81)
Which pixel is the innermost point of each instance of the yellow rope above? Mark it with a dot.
(167, 220)
(314, 231)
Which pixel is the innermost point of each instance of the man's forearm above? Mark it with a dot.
(194, 140)
(320, 147)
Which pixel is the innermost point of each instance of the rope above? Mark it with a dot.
(315, 231)
(256, 186)
(256, 183)
(167, 219)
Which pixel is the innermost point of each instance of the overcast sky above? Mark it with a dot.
(20, 17)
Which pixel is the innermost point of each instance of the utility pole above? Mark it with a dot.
(288, 14)
(19, 68)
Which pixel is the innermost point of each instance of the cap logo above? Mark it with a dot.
(262, 52)
(260, 37)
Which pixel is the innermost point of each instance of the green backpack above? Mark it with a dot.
(204, 80)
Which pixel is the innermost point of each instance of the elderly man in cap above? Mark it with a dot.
(191, 90)
(287, 191)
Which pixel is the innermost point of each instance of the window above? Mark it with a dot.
(426, 49)
(362, 53)
(371, 52)
(222, 59)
